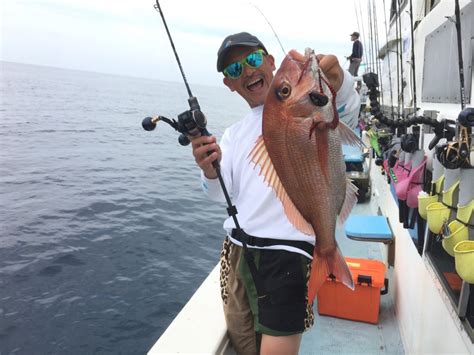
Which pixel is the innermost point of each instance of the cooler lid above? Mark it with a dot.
(366, 270)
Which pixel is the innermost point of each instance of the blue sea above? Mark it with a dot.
(105, 233)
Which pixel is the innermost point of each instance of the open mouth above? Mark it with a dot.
(255, 84)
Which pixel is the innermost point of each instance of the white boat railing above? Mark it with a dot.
(200, 326)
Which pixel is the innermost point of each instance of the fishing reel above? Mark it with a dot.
(456, 154)
(191, 122)
(466, 117)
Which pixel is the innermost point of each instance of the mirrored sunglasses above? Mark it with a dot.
(253, 60)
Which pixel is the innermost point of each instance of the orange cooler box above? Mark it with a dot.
(362, 304)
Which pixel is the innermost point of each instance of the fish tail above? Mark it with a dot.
(324, 266)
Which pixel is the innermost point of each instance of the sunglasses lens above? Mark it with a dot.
(234, 70)
(254, 59)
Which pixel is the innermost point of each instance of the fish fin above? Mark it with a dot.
(350, 201)
(259, 156)
(348, 136)
(323, 266)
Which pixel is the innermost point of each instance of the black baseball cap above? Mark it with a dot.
(238, 39)
(355, 34)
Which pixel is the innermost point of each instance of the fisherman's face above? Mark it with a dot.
(254, 83)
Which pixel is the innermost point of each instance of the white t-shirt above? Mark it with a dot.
(260, 212)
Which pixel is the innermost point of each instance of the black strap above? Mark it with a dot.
(252, 241)
(450, 207)
(466, 224)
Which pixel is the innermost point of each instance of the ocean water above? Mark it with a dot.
(104, 230)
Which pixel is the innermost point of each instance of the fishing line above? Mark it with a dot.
(158, 8)
(269, 24)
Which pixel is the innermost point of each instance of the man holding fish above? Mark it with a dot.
(283, 167)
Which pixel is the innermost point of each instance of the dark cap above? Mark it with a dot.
(355, 34)
(238, 39)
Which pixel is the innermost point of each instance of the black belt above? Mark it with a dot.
(252, 241)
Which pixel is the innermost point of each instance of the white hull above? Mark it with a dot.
(427, 319)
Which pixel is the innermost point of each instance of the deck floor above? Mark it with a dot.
(331, 335)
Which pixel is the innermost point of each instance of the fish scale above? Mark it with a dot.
(304, 162)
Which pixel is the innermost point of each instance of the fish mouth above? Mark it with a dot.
(254, 84)
(304, 62)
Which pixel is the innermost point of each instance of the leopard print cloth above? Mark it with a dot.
(309, 319)
(224, 278)
(225, 269)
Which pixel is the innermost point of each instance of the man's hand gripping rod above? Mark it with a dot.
(191, 122)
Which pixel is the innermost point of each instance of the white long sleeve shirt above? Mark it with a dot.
(260, 212)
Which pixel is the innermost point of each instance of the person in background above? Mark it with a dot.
(274, 322)
(356, 56)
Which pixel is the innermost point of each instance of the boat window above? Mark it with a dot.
(397, 4)
(460, 293)
(440, 69)
(430, 5)
(393, 9)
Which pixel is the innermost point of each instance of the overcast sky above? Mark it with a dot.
(128, 37)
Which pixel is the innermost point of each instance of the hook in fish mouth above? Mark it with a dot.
(318, 99)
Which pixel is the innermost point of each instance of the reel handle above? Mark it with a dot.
(184, 140)
(149, 123)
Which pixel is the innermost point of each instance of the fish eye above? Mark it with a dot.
(284, 91)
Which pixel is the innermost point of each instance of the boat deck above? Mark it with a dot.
(331, 335)
(328, 336)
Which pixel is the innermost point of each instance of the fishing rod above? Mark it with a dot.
(449, 155)
(460, 60)
(377, 47)
(442, 129)
(269, 24)
(363, 35)
(357, 18)
(193, 123)
(388, 59)
(457, 154)
(397, 57)
(371, 37)
(453, 154)
(399, 18)
(413, 57)
(413, 67)
(374, 35)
